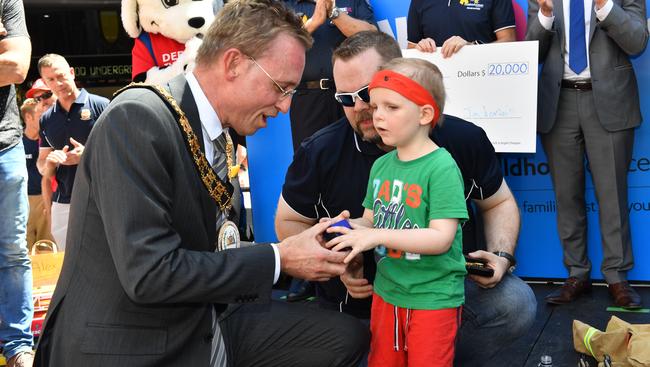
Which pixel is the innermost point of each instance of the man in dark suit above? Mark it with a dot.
(141, 284)
(589, 105)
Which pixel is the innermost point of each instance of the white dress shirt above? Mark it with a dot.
(212, 128)
(547, 23)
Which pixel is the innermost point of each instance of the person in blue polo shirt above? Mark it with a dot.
(452, 24)
(64, 130)
(313, 106)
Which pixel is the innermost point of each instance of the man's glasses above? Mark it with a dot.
(43, 96)
(348, 99)
(284, 93)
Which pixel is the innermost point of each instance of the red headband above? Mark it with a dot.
(407, 87)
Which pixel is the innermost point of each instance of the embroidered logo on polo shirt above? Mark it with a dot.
(85, 114)
(471, 4)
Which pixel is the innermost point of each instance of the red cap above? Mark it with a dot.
(38, 85)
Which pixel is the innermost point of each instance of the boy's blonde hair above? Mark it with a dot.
(424, 73)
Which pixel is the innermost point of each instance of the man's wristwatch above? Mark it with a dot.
(511, 259)
(336, 12)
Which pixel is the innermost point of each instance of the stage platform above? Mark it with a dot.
(552, 335)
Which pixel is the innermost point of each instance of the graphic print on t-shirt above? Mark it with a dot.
(393, 214)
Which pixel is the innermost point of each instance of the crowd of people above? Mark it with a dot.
(143, 210)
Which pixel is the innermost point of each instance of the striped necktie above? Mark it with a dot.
(220, 167)
(218, 356)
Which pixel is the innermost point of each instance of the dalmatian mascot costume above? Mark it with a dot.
(167, 35)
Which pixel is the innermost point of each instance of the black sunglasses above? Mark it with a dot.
(43, 96)
(348, 99)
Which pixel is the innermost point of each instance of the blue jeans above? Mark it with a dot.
(492, 319)
(16, 304)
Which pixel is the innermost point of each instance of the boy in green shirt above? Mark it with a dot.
(415, 203)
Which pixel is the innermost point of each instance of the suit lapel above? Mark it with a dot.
(592, 23)
(182, 93)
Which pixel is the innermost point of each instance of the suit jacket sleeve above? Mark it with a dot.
(134, 165)
(626, 25)
(536, 32)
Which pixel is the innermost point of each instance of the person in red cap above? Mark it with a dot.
(415, 203)
(44, 98)
(41, 94)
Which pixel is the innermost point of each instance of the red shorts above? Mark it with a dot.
(414, 338)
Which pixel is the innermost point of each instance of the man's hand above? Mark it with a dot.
(322, 11)
(426, 45)
(546, 7)
(57, 157)
(74, 156)
(452, 45)
(498, 263)
(302, 256)
(352, 278)
(66, 156)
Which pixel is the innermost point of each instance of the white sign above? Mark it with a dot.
(495, 87)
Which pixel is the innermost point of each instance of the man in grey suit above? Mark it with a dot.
(141, 283)
(589, 104)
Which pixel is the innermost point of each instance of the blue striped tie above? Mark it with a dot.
(577, 43)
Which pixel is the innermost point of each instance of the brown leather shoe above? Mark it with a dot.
(624, 296)
(569, 291)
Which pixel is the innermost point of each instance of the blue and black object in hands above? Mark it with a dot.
(342, 223)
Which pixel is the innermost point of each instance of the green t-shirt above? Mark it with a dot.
(405, 195)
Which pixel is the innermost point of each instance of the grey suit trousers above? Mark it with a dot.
(576, 132)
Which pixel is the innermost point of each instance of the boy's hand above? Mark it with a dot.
(358, 239)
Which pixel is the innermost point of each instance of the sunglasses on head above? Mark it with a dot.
(348, 99)
(43, 96)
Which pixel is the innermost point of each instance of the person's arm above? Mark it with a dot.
(349, 26)
(46, 167)
(434, 240)
(625, 24)
(15, 47)
(539, 25)
(501, 223)
(46, 195)
(288, 222)
(321, 13)
(134, 190)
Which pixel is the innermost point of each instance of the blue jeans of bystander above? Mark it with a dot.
(493, 318)
(16, 304)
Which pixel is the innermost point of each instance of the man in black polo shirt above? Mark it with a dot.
(330, 173)
(64, 130)
(313, 106)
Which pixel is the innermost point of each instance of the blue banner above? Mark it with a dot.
(539, 251)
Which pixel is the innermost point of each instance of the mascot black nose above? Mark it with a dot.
(196, 22)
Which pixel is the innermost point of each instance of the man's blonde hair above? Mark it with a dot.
(28, 106)
(250, 26)
(48, 60)
(424, 73)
